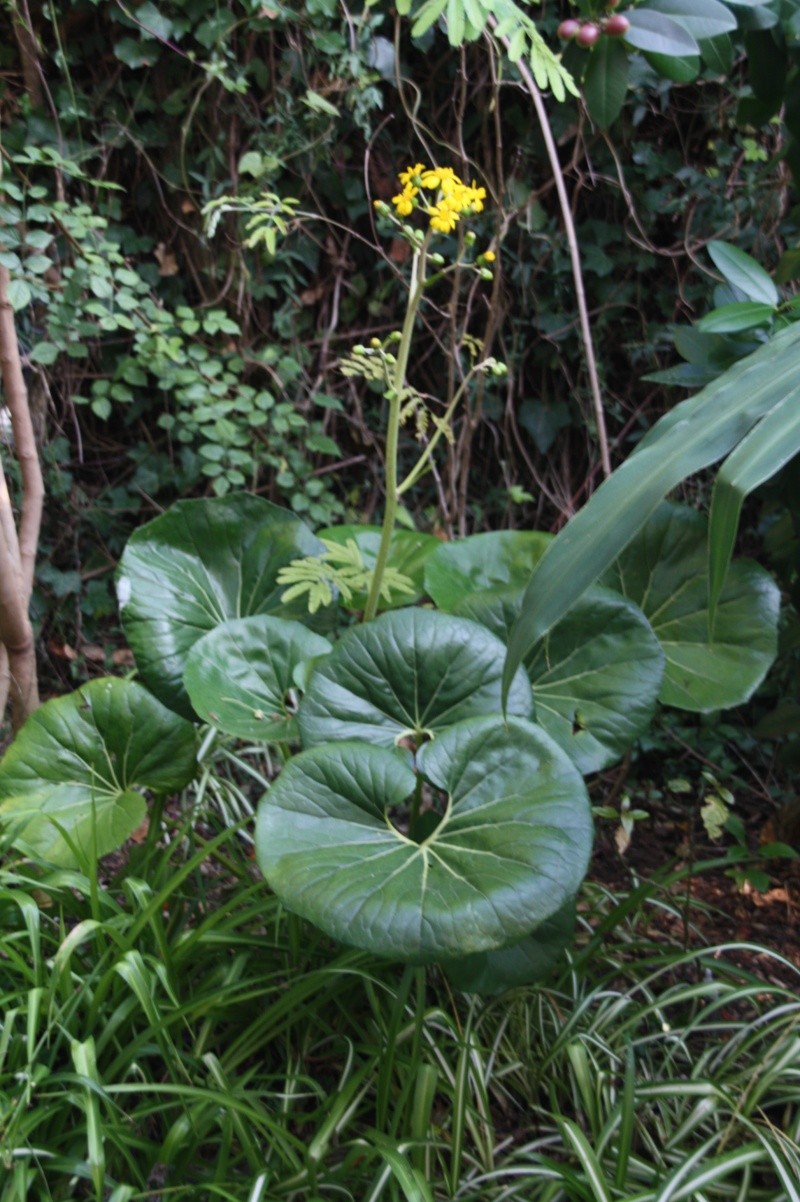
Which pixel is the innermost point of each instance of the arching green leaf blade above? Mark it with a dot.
(510, 850)
(767, 448)
(81, 760)
(238, 675)
(197, 565)
(693, 435)
(410, 673)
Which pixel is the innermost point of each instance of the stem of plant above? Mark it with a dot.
(574, 254)
(421, 463)
(395, 397)
(416, 802)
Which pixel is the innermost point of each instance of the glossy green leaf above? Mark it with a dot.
(718, 53)
(200, 564)
(691, 436)
(522, 963)
(408, 553)
(596, 679)
(511, 848)
(665, 571)
(79, 763)
(768, 447)
(240, 675)
(409, 674)
(658, 34)
(743, 272)
(701, 18)
(732, 319)
(679, 70)
(606, 81)
(767, 64)
(596, 675)
(482, 561)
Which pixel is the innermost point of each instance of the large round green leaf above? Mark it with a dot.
(511, 848)
(408, 552)
(492, 560)
(410, 673)
(596, 679)
(79, 762)
(521, 963)
(596, 675)
(196, 566)
(238, 676)
(665, 571)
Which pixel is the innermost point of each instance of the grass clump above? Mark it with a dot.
(169, 1032)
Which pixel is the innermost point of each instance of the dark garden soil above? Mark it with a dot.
(719, 905)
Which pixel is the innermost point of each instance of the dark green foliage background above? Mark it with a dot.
(221, 371)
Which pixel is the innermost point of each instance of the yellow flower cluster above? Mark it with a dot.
(452, 197)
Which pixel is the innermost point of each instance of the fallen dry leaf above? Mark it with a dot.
(140, 834)
(167, 263)
(62, 650)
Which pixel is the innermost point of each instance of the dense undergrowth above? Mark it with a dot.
(164, 361)
(169, 1031)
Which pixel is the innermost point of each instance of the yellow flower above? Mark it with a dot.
(488, 256)
(404, 203)
(411, 173)
(443, 217)
(453, 198)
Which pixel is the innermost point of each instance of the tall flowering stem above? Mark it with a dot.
(439, 194)
(395, 398)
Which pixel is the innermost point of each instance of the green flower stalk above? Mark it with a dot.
(439, 194)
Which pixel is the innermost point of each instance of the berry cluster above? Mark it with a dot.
(586, 33)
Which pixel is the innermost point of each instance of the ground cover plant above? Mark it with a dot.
(259, 895)
(169, 1031)
(436, 810)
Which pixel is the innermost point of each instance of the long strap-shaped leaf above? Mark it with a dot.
(693, 435)
(766, 449)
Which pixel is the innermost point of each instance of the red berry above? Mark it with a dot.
(588, 34)
(617, 26)
(568, 30)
